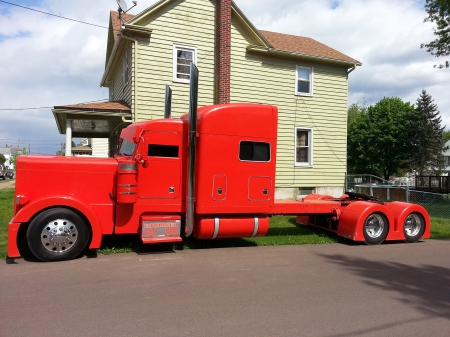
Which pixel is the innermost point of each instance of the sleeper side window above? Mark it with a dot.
(254, 151)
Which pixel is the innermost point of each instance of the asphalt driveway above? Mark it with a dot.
(313, 290)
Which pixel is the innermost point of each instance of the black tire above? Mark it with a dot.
(414, 227)
(57, 234)
(375, 228)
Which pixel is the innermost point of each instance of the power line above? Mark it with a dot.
(58, 16)
(50, 107)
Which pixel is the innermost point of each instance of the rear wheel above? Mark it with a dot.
(413, 227)
(57, 234)
(375, 228)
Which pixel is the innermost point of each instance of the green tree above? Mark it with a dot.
(13, 159)
(2, 159)
(446, 135)
(378, 140)
(427, 143)
(439, 12)
(354, 110)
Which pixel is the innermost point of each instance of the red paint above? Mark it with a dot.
(230, 226)
(400, 211)
(234, 192)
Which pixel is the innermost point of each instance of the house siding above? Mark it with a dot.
(189, 23)
(269, 80)
(117, 91)
(100, 147)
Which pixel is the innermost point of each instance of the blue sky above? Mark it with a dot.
(47, 61)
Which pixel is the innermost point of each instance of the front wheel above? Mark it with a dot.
(413, 227)
(375, 228)
(57, 234)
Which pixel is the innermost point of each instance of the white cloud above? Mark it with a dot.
(49, 61)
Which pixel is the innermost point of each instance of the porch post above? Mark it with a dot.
(68, 138)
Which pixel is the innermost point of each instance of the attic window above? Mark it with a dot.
(182, 58)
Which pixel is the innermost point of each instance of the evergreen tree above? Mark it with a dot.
(427, 141)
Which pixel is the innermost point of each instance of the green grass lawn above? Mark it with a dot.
(282, 231)
(6, 213)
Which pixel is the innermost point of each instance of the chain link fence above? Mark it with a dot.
(437, 204)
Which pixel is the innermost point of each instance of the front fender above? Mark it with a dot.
(352, 219)
(29, 210)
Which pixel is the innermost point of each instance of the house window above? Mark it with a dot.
(182, 59)
(254, 151)
(447, 161)
(304, 81)
(126, 68)
(303, 146)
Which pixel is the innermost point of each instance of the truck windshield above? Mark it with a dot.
(127, 147)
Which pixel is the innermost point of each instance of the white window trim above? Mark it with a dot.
(311, 81)
(174, 61)
(311, 148)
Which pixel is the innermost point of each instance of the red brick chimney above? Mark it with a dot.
(223, 50)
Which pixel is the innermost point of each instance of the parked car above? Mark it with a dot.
(6, 173)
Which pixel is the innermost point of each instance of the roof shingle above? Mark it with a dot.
(303, 45)
(116, 22)
(282, 42)
(100, 106)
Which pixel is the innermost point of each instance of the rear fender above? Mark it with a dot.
(30, 210)
(400, 211)
(352, 219)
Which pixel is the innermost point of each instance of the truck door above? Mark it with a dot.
(160, 176)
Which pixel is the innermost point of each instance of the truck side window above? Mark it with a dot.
(157, 150)
(254, 151)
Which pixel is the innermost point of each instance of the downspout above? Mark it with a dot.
(135, 72)
(351, 69)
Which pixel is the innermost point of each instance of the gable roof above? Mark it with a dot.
(295, 45)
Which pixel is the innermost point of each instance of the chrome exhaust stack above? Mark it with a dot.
(168, 102)
(193, 102)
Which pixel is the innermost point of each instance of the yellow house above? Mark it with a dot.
(307, 80)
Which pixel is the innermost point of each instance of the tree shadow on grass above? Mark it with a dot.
(426, 288)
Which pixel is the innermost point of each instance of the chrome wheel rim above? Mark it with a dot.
(59, 235)
(374, 226)
(413, 224)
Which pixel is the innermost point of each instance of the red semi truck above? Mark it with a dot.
(210, 174)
